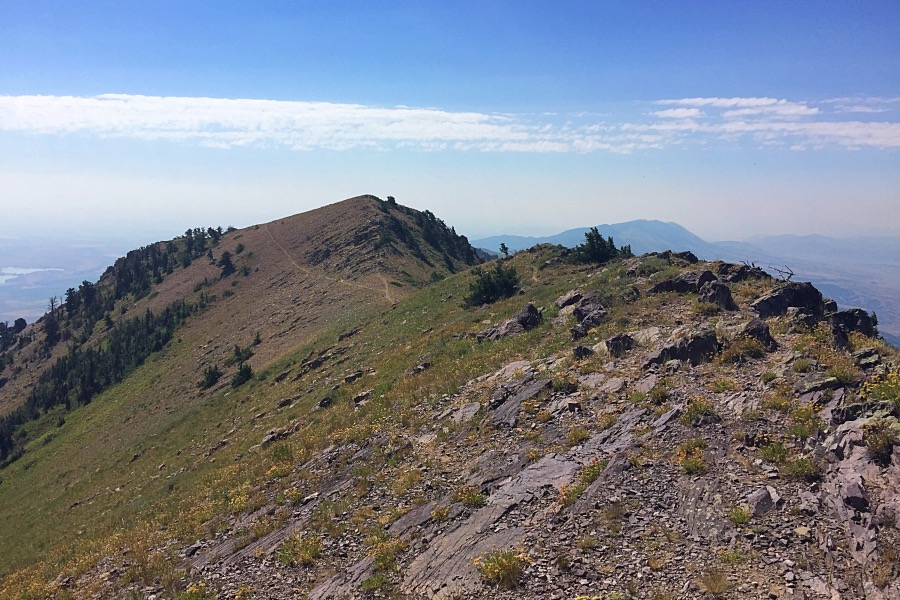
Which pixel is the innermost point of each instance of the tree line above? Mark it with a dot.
(85, 371)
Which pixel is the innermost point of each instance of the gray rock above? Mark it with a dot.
(696, 348)
(619, 344)
(855, 319)
(507, 413)
(759, 330)
(735, 273)
(854, 495)
(527, 319)
(683, 283)
(466, 412)
(800, 295)
(568, 299)
(716, 292)
(761, 501)
(582, 352)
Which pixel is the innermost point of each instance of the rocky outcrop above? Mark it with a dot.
(734, 273)
(589, 312)
(619, 344)
(717, 293)
(758, 330)
(527, 319)
(854, 319)
(508, 398)
(799, 295)
(695, 348)
(687, 282)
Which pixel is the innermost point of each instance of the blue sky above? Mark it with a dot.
(146, 118)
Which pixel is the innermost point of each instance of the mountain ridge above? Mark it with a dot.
(647, 427)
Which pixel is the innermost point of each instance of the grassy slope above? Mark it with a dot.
(214, 492)
(90, 456)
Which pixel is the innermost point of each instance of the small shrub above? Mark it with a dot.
(706, 309)
(570, 492)
(577, 435)
(696, 409)
(775, 452)
(802, 468)
(384, 551)
(586, 542)
(801, 365)
(598, 250)
(490, 286)
(243, 375)
(380, 581)
(880, 439)
(440, 514)
(741, 349)
(406, 481)
(739, 515)
(885, 388)
(195, 591)
(211, 376)
(611, 516)
(769, 377)
(714, 582)
(805, 422)
(471, 496)
(300, 550)
(689, 455)
(723, 384)
(779, 399)
(502, 568)
(659, 392)
(732, 557)
(605, 421)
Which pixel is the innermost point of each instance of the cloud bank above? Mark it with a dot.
(230, 123)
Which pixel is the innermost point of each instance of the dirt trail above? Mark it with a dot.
(320, 275)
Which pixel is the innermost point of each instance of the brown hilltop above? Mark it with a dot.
(293, 277)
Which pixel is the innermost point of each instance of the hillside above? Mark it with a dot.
(855, 272)
(649, 428)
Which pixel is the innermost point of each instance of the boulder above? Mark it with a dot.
(716, 292)
(854, 495)
(619, 344)
(855, 319)
(527, 319)
(801, 295)
(683, 283)
(506, 411)
(582, 352)
(568, 299)
(759, 331)
(866, 358)
(589, 312)
(734, 273)
(589, 305)
(686, 256)
(763, 500)
(696, 348)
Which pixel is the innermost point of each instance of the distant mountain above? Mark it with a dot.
(855, 272)
(643, 235)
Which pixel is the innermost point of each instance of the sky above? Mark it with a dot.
(142, 119)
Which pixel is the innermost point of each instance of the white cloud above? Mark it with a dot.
(231, 123)
(679, 113)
